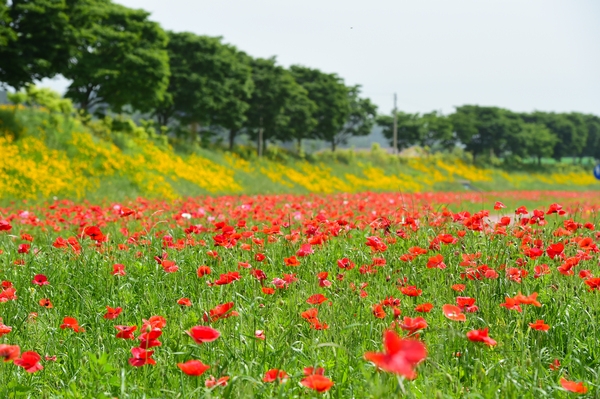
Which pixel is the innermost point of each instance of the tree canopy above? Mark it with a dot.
(122, 61)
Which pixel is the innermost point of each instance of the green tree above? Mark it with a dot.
(580, 135)
(592, 146)
(279, 106)
(7, 34)
(409, 126)
(297, 119)
(122, 60)
(438, 132)
(533, 140)
(331, 96)
(570, 130)
(36, 40)
(210, 82)
(484, 129)
(360, 120)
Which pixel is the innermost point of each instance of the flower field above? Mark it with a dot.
(367, 295)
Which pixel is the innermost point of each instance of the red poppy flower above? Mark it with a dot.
(481, 336)
(9, 352)
(202, 334)
(274, 375)
(45, 302)
(260, 334)
(118, 270)
(5, 225)
(259, 257)
(467, 304)
(521, 210)
(555, 250)
(211, 382)
(268, 290)
(313, 370)
(401, 356)
(593, 283)
(23, 248)
(539, 325)
(378, 311)
(4, 329)
(184, 302)
(412, 325)
(193, 367)
(141, 357)
(29, 361)
(227, 278)
(124, 212)
(222, 311)
(454, 313)
(126, 332)
(424, 307)
(345, 263)
(317, 382)
(573, 386)
(555, 365)
(528, 300)
(305, 250)
(540, 270)
(376, 244)
(411, 290)
(203, 271)
(459, 287)
(511, 304)
(154, 322)
(499, 205)
(94, 233)
(150, 339)
(71, 322)
(436, 261)
(40, 279)
(310, 314)
(316, 299)
(291, 261)
(112, 313)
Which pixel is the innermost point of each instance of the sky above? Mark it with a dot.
(523, 55)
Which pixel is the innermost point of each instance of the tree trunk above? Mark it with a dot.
(299, 146)
(163, 119)
(195, 131)
(259, 142)
(332, 145)
(539, 160)
(232, 134)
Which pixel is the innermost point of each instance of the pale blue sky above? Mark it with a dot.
(436, 54)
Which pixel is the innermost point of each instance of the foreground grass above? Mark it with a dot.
(94, 363)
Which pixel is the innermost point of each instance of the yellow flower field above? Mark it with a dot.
(30, 169)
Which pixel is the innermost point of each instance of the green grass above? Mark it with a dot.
(94, 364)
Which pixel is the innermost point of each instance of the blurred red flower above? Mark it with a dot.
(317, 382)
(401, 356)
(481, 336)
(193, 367)
(202, 334)
(29, 361)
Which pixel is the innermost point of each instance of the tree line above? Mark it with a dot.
(494, 131)
(117, 58)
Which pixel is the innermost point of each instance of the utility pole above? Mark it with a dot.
(395, 127)
(260, 139)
